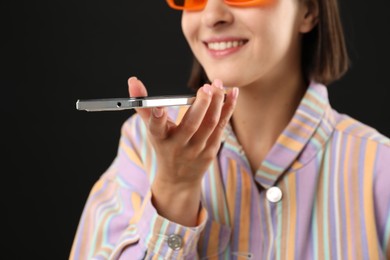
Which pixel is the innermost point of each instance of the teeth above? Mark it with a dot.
(220, 46)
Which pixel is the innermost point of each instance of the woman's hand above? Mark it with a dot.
(185, 151)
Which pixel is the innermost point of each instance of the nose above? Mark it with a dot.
(216, 14)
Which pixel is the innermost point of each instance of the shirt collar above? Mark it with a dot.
(305, 135)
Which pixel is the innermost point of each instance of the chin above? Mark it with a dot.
(227, 80)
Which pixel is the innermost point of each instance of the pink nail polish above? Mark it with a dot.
(158, 112)
(235, 92)
(206, 88)
(132, 79)
(218, 83)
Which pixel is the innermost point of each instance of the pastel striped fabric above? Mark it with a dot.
(333, 171)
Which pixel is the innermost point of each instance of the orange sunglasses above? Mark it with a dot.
(196, 5)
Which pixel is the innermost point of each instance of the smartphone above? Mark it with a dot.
(114, 104)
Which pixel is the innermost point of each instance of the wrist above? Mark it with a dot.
(177, 202)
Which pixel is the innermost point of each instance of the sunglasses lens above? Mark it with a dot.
(188, 4)
(179, 2)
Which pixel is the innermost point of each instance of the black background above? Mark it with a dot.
(55, 52)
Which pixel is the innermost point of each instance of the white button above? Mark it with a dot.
(175, 241)
(274, 194)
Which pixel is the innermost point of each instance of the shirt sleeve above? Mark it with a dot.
(163, 239)
(382, 198)
(118, 218)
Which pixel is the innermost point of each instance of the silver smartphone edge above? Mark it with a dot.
(115, 104)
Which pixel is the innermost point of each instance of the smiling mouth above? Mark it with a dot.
(221, 46)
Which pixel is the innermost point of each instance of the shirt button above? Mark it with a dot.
(175, 241)
(274, 194)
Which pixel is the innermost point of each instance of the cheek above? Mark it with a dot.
(187, 27)
(279, 33)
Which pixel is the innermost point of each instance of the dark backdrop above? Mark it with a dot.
(55, 52)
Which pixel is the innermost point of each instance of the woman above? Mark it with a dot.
(260, 166)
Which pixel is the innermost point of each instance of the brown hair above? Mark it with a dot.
(324, 52)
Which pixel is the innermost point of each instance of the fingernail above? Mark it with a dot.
(235, 92)
(218, 83)
(158, 112)
(132, 79)
(206, 88)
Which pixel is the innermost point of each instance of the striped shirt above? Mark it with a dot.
(322, 192)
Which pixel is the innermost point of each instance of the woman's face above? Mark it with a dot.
(243, 45)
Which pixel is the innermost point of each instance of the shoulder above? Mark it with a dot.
(349, 126)
(365, 150)
(363, 143)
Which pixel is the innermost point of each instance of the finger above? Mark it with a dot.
(212, 116)
(158, 125)
(137, 89)
(194, 115)
(226, 113)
